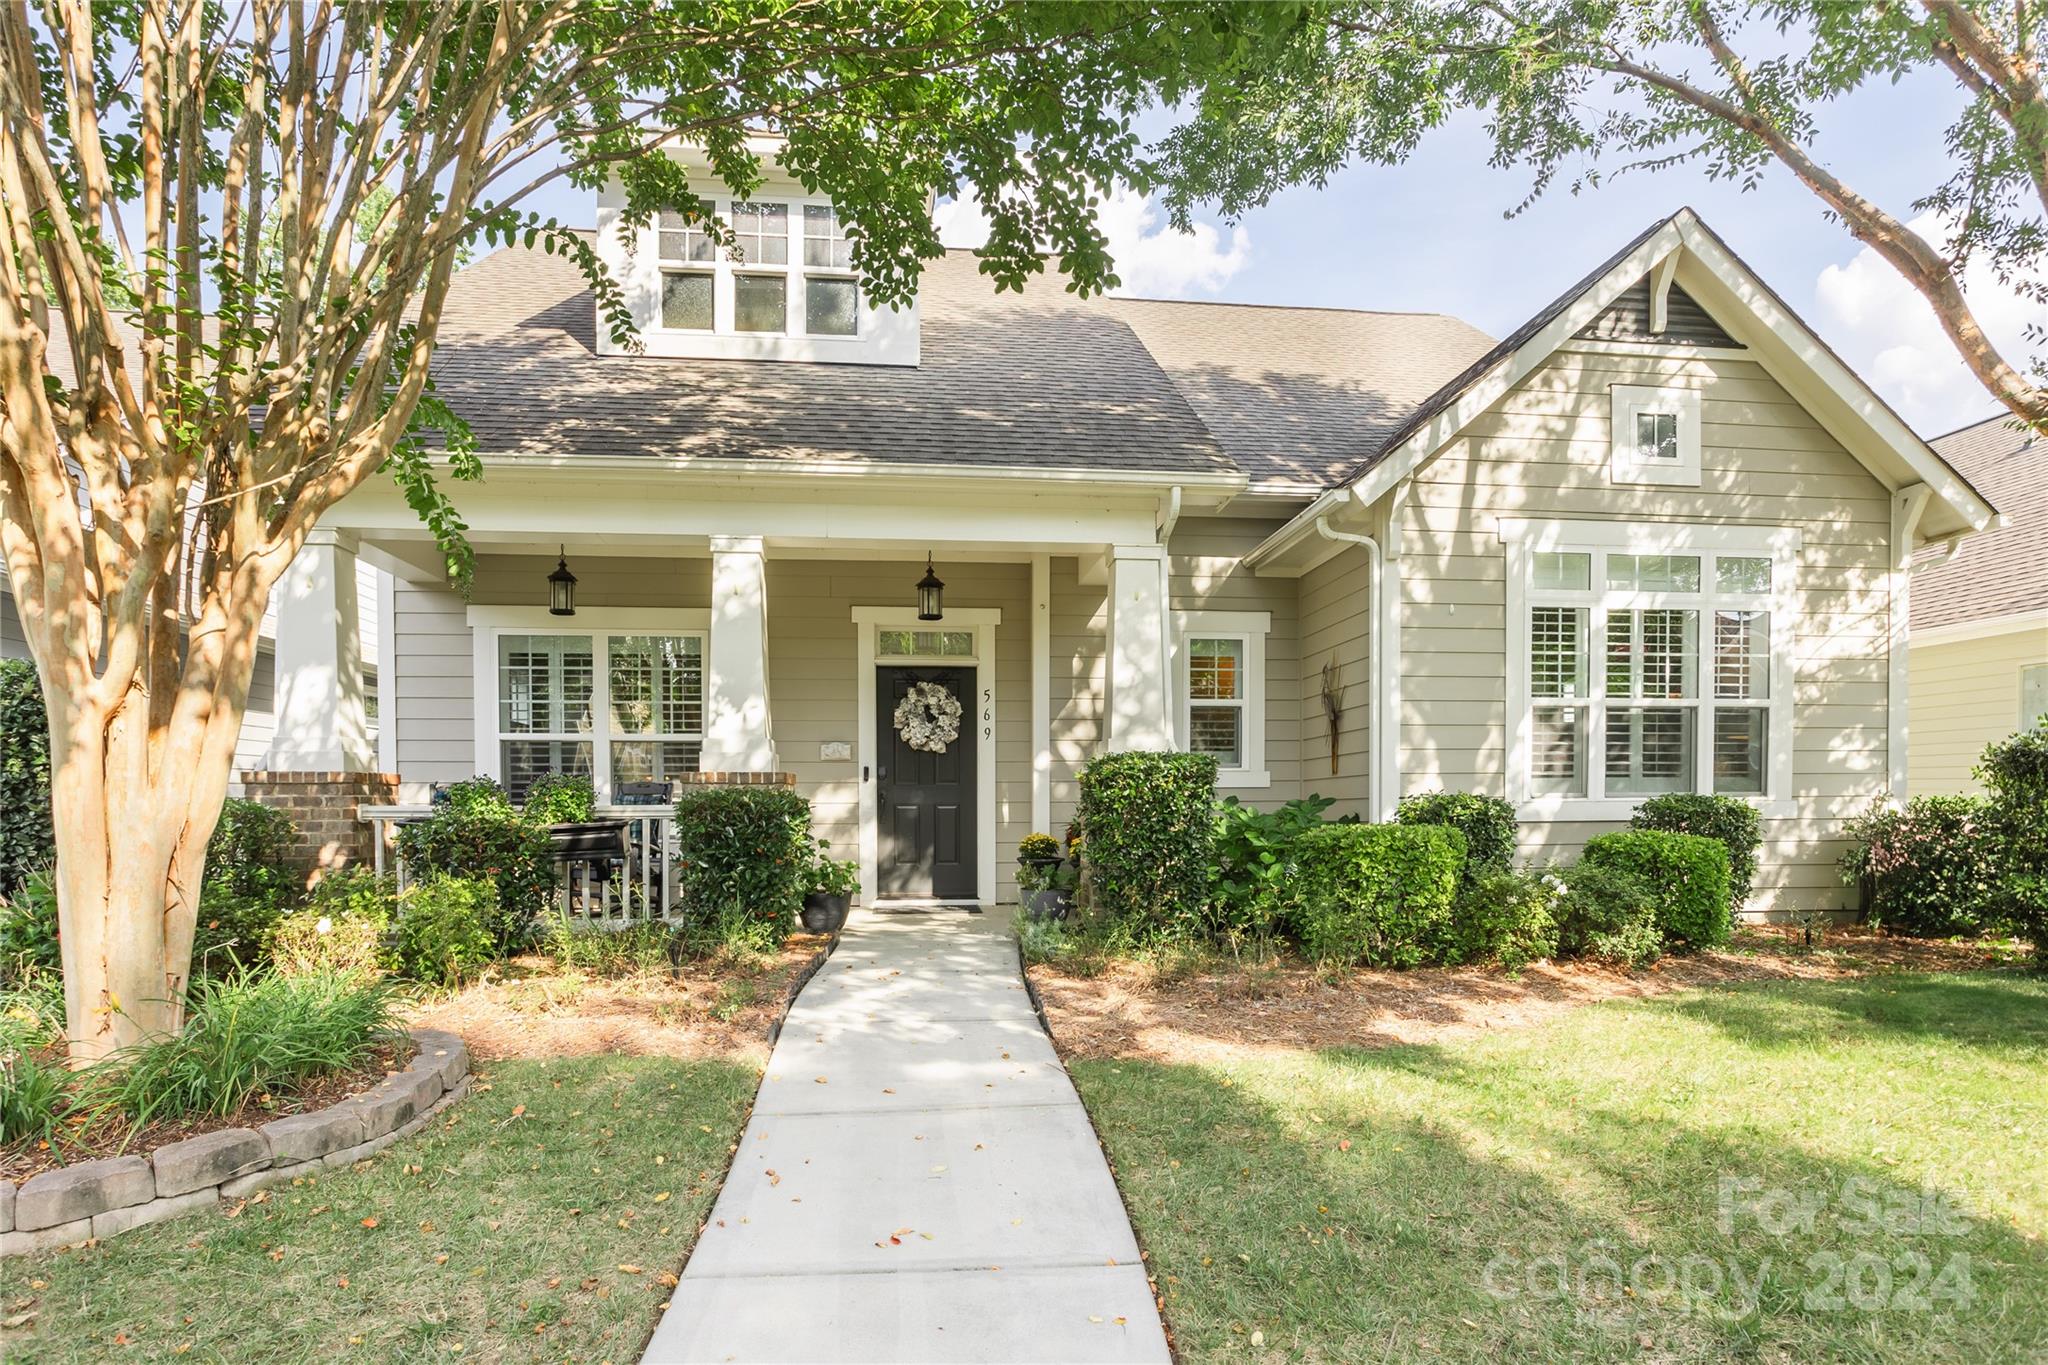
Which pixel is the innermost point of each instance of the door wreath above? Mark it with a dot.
(928, 717)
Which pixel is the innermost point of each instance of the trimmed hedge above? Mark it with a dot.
(1487, 822)
(2015, 772)
(1730, 819)
(1687, 877)
(1931, 868)
(747, 849)
(1380, 895)
(487, 839)
(25, 839)
(1147, 832)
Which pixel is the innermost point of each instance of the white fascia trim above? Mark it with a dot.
(1656, 350)
(1983, 628)
(1252, 627)
(1649, 537)
(907, 616)
(589, 619)
(875, 471)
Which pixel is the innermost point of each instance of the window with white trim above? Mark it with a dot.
(638, 718)
(1649, 660)
(2033, 694)
(1656, 435)
(792, 273)
(1221, 677)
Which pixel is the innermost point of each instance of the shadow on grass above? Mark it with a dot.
(1714, 1177)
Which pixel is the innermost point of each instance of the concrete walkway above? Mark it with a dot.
(919, 1181)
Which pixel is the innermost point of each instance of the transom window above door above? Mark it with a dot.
(612, 705)
(1648, 659)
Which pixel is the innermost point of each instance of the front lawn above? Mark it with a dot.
(1792, 1170)
(535, 1220)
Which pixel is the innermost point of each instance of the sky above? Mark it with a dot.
(1432, 235)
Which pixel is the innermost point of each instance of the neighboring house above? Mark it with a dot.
(1979, 657)
(1650, 542)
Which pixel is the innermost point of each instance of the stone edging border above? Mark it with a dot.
(94, 1200)
(798, 982)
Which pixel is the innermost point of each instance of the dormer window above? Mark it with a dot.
(763, 289)
(687, 296)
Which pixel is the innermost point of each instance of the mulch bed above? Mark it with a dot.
(116, 1136)
(1129, 1011)
(530, 1007)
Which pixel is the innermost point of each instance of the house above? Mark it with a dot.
(1979, 658)
(1654, 540)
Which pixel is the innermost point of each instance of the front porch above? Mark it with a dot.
(773, 653)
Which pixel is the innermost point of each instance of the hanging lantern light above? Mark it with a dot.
(930, 592)
(562, 588)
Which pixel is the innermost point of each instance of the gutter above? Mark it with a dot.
(1378, 732)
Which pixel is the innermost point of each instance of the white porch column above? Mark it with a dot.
(1140, 694)
(738, 737)
(321, 723)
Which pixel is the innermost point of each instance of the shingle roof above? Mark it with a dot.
(1999, 572)
(1042, 380)
(1299, 395)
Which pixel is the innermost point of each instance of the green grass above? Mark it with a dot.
(537, 1192)
(1347, 1205)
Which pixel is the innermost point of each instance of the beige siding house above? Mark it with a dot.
(1979, 657)
(1653, 541)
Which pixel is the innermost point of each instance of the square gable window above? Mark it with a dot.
(1656, 436)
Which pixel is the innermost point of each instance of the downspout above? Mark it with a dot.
(1377, 734)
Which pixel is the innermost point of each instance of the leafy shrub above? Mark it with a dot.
(1148, 825)
(834, 876)
(342, 927)
(1606, 913)
(247, 1035)
(443, 929)
(28, 929)
(249, 851)
(234, 927)
(25, 840)
(561, 799)
(1735, 822)
(1504, 916)
(1687, 875)
(748, 847)
(1377, 894)
(2015, 772)
(1251, 861)
(1932, 867)
(474, 794)
(1041, 940)
(481, 837)
(1487, 822)
(602, 950)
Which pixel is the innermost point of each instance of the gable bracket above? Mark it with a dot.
(1660, 290)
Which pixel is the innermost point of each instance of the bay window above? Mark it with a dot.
(1645, 660)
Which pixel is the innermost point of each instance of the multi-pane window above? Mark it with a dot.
(1657, 436)
(787, 259)
(1216, 699)
(942, 644)
(1681, 699)
(647, 721)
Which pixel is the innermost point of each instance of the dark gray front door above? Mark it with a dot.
(925, 800)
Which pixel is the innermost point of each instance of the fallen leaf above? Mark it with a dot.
(1258, 1338)
(369, 1222)
(667, 1279)
(1344, 1145)
(440, 1258)
(341, 1282)
(630, 1270)
(661, 1198)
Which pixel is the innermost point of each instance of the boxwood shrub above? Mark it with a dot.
(2015, 772)
(1687, 876)
(1487, 822)
(747, 849)
(1730, 819)
(25, 842)
(1147, 832)
(1380, 895)
(1931, 868)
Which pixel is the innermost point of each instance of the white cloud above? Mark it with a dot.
(1889, 334)
(1152, 259)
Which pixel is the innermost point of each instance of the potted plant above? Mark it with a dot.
(833, 884)
(1045, 879)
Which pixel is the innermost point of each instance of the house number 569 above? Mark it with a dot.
(988, 711)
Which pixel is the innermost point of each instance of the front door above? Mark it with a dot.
(925, 799)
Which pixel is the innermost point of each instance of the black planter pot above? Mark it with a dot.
(825, 912)
(589, 839)
(1051, 903)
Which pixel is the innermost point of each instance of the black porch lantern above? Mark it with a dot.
(930, 592)
(562, 588)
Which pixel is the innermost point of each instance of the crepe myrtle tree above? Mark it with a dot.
(230, 232)
(1650, 84)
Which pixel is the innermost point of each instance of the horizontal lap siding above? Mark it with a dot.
(434, 698)
(1543, 453)
(1078, 667)
(1963, 696)
(1206, 571)
(1336, 628)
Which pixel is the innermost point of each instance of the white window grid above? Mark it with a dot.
(1248, 630)
(793, 241)
(1568, 682)
(588, 698)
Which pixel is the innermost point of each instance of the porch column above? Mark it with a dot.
(738, 737)
(1140, 709)
(321, 722)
